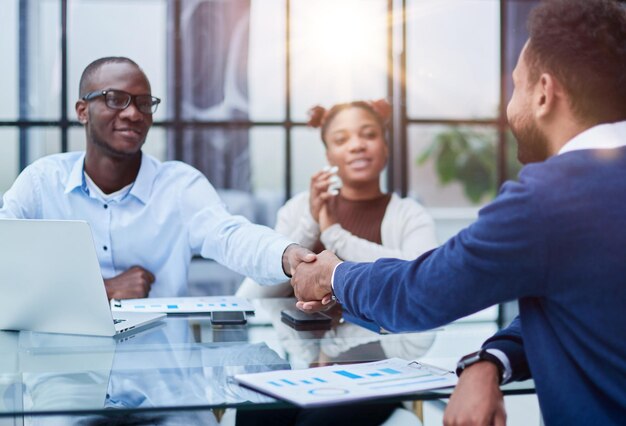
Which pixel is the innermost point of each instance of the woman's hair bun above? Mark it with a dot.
(316, 116)
(382, 108)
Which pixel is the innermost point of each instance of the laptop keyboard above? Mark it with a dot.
(117, 320)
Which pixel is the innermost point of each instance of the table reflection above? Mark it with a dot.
(345, 342)
(186, 366)
(158, 367)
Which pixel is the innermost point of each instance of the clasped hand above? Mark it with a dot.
(319, 198)
(311, 282)
(293, 256)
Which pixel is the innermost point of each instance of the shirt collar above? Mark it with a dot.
(140, 190)
(145, 179)
(602, 136)
(75, 179)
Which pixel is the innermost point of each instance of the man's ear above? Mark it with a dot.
(81, 111)
(548, 92)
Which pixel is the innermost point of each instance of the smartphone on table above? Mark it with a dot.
(228, 318)
(299, 320)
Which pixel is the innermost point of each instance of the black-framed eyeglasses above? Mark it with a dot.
(119, 99)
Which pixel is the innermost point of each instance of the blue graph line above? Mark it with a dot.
(347, 374)
(389, 371)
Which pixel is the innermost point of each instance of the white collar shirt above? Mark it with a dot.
(602, 136)
(170, 214)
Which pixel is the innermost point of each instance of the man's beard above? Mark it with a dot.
(532, 144)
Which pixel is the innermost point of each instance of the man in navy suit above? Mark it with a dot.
(554, 240)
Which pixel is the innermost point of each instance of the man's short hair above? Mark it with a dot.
(583, 44)
(91, 69)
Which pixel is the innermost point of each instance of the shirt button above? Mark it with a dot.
(106, 206)
(105, 248)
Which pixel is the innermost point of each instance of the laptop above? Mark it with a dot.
(50, 281)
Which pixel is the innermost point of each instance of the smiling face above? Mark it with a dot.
(356, 145)
(117, 133)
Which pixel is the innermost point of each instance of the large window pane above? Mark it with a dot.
(8, 52)
(156, 143)
(43, 141)
(308, 157)
(76, 139)
(338, 52)
(266, 62)
(267, 163)
(452, 166)
(43, 63)
(9, 152)
(267, 158)
(453, 58)
(135, 29)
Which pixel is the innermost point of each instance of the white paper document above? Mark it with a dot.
(342, 383)
(183, 305)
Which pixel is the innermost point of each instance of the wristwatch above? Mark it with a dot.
(481, 355)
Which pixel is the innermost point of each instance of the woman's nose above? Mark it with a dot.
(357, 143)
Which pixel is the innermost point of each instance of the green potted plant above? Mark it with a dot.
(468, 156)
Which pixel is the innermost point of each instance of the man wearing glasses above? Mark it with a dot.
(148, 218)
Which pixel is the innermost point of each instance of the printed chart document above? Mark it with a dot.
(183, 305)
(342, 383)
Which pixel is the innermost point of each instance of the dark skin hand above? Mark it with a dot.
(293, 256)
(134, 283)
(318, 193)
(477, 399)
(311, 282)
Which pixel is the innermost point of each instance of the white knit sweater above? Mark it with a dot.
(407, 231)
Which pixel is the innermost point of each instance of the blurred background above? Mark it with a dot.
(237, 77)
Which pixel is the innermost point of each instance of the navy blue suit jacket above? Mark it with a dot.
(556, 241)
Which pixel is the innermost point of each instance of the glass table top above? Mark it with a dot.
(185, 363)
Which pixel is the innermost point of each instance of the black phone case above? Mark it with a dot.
(217, 320)
(302, 321)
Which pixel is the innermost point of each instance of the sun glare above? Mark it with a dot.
(347, 33)
(337, 40)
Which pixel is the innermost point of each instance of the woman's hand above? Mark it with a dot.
(326, 217)
(318, 192)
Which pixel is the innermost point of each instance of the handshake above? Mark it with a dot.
(311, 276)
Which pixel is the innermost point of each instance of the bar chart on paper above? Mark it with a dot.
(183, 305)
(341, 383)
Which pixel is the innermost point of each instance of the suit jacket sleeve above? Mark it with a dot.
(501, 257)
(509, 340)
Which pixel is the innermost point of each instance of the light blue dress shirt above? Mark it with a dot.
(170, 214)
